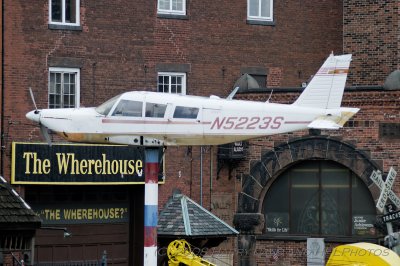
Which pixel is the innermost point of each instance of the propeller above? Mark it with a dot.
(43, 130)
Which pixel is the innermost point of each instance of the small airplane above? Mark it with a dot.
(156, 119)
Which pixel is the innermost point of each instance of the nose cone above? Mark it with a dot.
(33, 116)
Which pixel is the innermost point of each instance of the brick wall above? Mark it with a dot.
(371, 34)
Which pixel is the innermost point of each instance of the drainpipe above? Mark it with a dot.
(211, 176)
(201, 176)
(2, 91)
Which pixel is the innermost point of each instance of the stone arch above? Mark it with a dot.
(262, 173)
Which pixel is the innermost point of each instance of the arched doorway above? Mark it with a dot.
(319, 198)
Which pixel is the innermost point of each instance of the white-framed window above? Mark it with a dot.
(174, 7)
(172, 82)
(64, 12)
(260, 10)
(64, 88)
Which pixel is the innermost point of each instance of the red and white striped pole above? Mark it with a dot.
(150, 206)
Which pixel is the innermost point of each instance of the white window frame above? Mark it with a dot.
(63, 70)
(171, 74)
(259, 17)
(62, 22)
(171, 11)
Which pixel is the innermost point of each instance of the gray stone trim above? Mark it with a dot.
(260, 22)
(65, 62)
(171, 67)
(64, 27)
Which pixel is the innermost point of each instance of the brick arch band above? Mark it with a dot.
(249, 218)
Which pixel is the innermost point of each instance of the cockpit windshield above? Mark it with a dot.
(105, 108)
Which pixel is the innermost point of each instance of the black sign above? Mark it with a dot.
(390, 217)
(234, 150)
(77, 164)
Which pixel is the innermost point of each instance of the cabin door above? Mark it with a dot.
(155, 118)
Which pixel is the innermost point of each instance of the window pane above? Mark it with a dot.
(52, 83)
(67, 101)
(164, 88)
(66, 88)
(276, 206)
(72, 101)
(186, 112)
(155, 110)
(253, 8)
(66, 77)
(335, 208)
(58, 88)
(177, 5)
(70, 11)
(128, 108)
(363, 209)
(72, 89)
(163, 83)
(58, 78)
(51, 101)
(56, 101)
(163, 4)
(173, 89)
(304, 200)
(55, 90)
(56, 7)
(265, 8)
(105, 108)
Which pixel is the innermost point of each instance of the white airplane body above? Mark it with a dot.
(151, 118)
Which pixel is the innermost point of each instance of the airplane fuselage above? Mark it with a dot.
(179, 120)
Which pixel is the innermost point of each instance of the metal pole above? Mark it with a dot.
(150, 207)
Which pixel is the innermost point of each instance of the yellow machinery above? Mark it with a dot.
(363, 254)
(179, 253)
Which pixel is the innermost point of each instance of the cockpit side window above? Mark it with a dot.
(105, 107)
(128, 108)
(155, 110)
(186, 112)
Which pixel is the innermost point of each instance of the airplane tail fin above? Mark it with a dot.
(326, 88)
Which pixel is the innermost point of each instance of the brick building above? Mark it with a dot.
(80, 53)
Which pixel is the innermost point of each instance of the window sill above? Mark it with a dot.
(172, 16)
(260, 22)
(64, 27)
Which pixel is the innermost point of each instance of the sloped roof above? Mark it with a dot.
(183, 217)
(15, 213)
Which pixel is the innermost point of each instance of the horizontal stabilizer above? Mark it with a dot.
(323, 124)
(334, 121)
